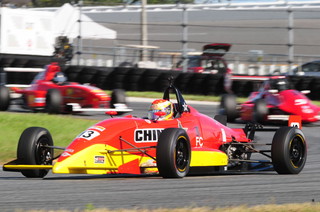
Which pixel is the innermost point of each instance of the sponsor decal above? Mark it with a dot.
(69, 91)
(185, 107)
(100, 128)
(39, 100)
(69, 150)
(295, 124)
(65, 154)
(89, 134)
(223, 135)
(99, 159)
(30, 99)
(199, 141)
(147, 135)
(149, 163)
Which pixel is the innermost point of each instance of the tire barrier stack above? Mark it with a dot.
(142, 79)
(19, 77)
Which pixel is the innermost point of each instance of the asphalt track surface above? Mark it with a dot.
(131, 191)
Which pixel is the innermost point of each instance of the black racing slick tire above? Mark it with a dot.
(53, 101)
(288, 151)
(33, 150)
(118, 96)
(260, 111)
(4, 98)
(173, 153)
(228, 107)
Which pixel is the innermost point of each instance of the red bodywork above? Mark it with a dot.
(128, 144)
(205, 134)
(281, 104)
(84, 95)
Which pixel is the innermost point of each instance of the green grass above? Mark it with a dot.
(302, 207)
(63, 128)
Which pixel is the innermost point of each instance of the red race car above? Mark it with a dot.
(272, 103)
(51, 92)
(174, 141)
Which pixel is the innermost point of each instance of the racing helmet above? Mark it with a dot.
(161, 109)
(59, 78)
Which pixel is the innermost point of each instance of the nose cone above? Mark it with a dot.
(91, 160)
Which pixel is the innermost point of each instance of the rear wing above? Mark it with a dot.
(216, 49)
(3, 75)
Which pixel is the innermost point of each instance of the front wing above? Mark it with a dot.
(104, 159)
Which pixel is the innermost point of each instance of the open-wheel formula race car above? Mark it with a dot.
(189, 143)
(274, 102)
(50, 92)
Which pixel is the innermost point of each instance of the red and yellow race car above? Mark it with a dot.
(187, 143)
(50, 91)
(274, 102)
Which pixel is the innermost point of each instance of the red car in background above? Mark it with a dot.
(51, 92)
(274, 101)
(210, 61)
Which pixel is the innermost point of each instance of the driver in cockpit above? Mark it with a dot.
(161, 109)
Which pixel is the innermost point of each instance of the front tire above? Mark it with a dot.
(33, 150)
(173, 153)
(4, 98)
(288, 151)
(53, 101)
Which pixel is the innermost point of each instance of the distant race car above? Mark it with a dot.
(311, 68)
(189, 142)
(51, 92)
(275, 101)
(211, 60)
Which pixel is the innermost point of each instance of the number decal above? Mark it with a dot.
(89, 134)
(300, 101)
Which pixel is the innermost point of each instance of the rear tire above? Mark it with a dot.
(173, 153)
(228, 107)
(32, 151)
(53, 101)
(288, 151)
(260, 111)
(4, 98)
(118, 96)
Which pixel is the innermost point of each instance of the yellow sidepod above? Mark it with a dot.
(208, 158)
(100, 159)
